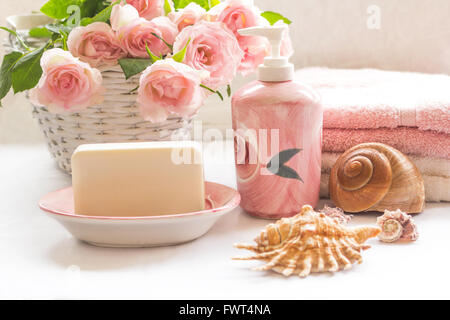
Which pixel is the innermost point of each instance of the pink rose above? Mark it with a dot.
(237, 14)
(148, 9)
(67, 84)
(188, 16)
(240, 14)
(168, 87)
(121, 15)
(135, 35)
(212, 48)
(255, 50)
(95, 44)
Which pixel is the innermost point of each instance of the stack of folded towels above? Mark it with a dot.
(408, 111)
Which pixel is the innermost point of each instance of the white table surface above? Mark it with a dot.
(40, 259)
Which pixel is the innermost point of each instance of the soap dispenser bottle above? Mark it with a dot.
(278, 137)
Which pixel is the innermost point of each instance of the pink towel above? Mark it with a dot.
(407, 140)
(371, 99)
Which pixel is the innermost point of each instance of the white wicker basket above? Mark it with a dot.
(117, 119)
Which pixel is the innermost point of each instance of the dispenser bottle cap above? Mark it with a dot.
(275, 68)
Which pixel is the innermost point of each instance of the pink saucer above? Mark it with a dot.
(141, 231)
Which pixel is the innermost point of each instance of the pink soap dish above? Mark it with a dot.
(149, 231)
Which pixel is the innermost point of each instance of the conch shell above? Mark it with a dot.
(308, 243)
(376, 177)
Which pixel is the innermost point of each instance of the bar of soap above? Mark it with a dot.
(138, 179)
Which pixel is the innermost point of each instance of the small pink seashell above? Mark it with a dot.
(397, 225)
(336, 213)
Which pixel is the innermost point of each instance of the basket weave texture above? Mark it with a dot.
(117, 119)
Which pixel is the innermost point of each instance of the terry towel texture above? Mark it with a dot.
(408, 140)
(409, 111)
(371, 99)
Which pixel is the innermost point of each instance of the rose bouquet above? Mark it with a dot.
(173, 53)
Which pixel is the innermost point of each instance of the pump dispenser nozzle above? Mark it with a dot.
(275, 68)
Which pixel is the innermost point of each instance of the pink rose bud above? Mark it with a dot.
(95, 44)
(169, 88)
(188, 16)
(148, 9)
(136, 34)
(67, 84)
(212, 48)
(121, 15)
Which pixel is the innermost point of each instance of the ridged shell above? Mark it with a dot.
(308, 243)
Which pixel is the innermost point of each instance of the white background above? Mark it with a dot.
(39, 259)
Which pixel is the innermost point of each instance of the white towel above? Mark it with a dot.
(427, 166)
(437, 189)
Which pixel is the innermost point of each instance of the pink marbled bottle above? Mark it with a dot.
(278, 141)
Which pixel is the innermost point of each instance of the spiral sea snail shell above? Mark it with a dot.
(376, 177)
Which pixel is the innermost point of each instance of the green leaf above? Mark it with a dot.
(229, 91)
(102, 16)
(152, 56)
(90, 8)
(19, 38)
(27, 71)
(277, 164)
(180, 4)
(213, 91)
(274, 17)
(58, 28)
(133, 66)
(167, 6)
(57, 9)
(213, 3)
(179, 56)
(6, 72)
(40, 32)
(59, 33)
